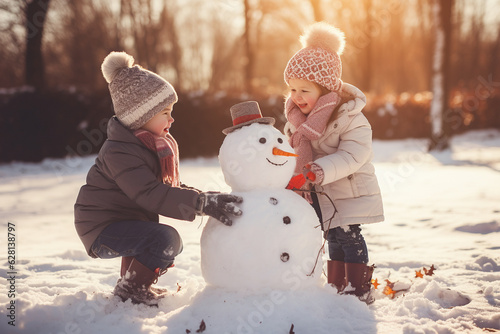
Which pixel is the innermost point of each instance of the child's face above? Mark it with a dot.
(161, 122)
(304, 94)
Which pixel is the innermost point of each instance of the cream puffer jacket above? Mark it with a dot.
(344, 152)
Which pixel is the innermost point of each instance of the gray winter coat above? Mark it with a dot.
(344, 152)
(125, 184)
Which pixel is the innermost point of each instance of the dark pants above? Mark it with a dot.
(347, 244)
(152, 244)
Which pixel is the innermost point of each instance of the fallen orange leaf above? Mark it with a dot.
(389, 292)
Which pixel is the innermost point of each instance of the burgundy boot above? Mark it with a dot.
(136, 283)
(126, 264)
(336, 274)
(359, 276)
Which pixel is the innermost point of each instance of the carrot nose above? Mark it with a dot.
(277, 151)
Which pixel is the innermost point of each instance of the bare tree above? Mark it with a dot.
(495, 55)
(79, 35)
(368, 49)
(36, 12)
(423, 34)
(169, 36)
(440, 86)
(317, 10)
(250, 59)
(149, 31)
(226, 70)
(477, 32)
(13, 44)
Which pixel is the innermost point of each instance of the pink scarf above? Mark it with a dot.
(309, 127)
(168, 152)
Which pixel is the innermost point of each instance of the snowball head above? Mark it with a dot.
(322, 35)
(247, 160)
(273, 245)
(114, 62)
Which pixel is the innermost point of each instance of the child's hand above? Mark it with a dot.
(313, 173)
(218, 206)
(308, 174)
(296, 182)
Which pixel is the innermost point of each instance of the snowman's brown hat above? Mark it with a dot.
(246, 113)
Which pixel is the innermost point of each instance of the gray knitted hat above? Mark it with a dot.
(137, 94)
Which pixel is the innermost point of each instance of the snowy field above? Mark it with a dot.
(441, 209)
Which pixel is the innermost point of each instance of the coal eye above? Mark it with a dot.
(285, 257)
(280, 140)
(262, 140)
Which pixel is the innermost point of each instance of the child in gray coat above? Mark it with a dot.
(134, 179)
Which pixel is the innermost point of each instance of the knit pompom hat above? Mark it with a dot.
(319, 59)
(137, 94)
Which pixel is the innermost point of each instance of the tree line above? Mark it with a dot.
(216, 52)
(242, 45)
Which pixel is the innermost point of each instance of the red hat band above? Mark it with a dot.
(245, 118)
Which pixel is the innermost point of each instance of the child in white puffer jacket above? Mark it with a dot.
(334, 142)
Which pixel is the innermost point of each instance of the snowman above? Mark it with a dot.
(275, 243)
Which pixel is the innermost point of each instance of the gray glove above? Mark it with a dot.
(218, 206)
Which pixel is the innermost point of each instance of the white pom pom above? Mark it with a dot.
(114, 62)
(322, 35)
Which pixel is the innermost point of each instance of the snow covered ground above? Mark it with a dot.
(441, 209)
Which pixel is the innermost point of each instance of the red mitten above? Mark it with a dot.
(296, 182)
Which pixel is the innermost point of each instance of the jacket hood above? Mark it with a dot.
(354, 99)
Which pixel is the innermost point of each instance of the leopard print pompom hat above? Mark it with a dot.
(319, 59)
